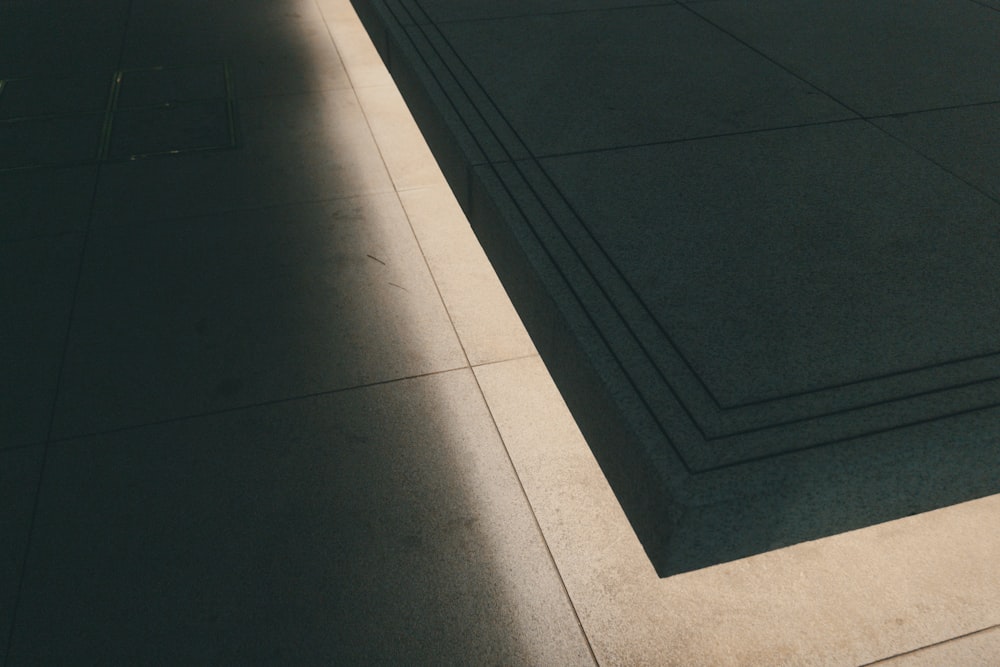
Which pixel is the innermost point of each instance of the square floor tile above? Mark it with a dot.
(19, 474)
(37, 279)
(591, 80)
(40, 202)
(360, 58)
(63, 140)
(374, 526)
(204, 314)
(876, 56)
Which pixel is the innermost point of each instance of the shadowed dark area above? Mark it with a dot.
(237, 425)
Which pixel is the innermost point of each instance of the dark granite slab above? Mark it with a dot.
(774, 317)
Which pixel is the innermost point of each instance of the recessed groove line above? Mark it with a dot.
(835, 441)
(701, 137)
(861, 408)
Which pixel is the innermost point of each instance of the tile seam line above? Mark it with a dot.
(420, 247)
(951, 172)
(336, 47)
(764, 130)
(67, 439)
(430, 272)
(46, 448)
(860, 116)
(534, 518)
(949, 640)
(520, 357)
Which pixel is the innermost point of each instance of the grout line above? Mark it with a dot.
(949, 640)
(485, 364)
(534, 518)
(249, 406)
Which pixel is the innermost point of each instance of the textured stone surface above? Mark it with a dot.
(763, 310)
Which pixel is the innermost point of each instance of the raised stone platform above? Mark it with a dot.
(755, 243)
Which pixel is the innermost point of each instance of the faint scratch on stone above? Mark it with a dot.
(400, 287)
(376, 259)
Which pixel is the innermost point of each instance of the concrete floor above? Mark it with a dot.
(265, 400)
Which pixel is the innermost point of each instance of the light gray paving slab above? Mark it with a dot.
(209, 313)
(382, 525)
(591, 80)
(964, 140)
(37, 279)
(19, 474)
(876, 57)
(290, 149)
(40, 202)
